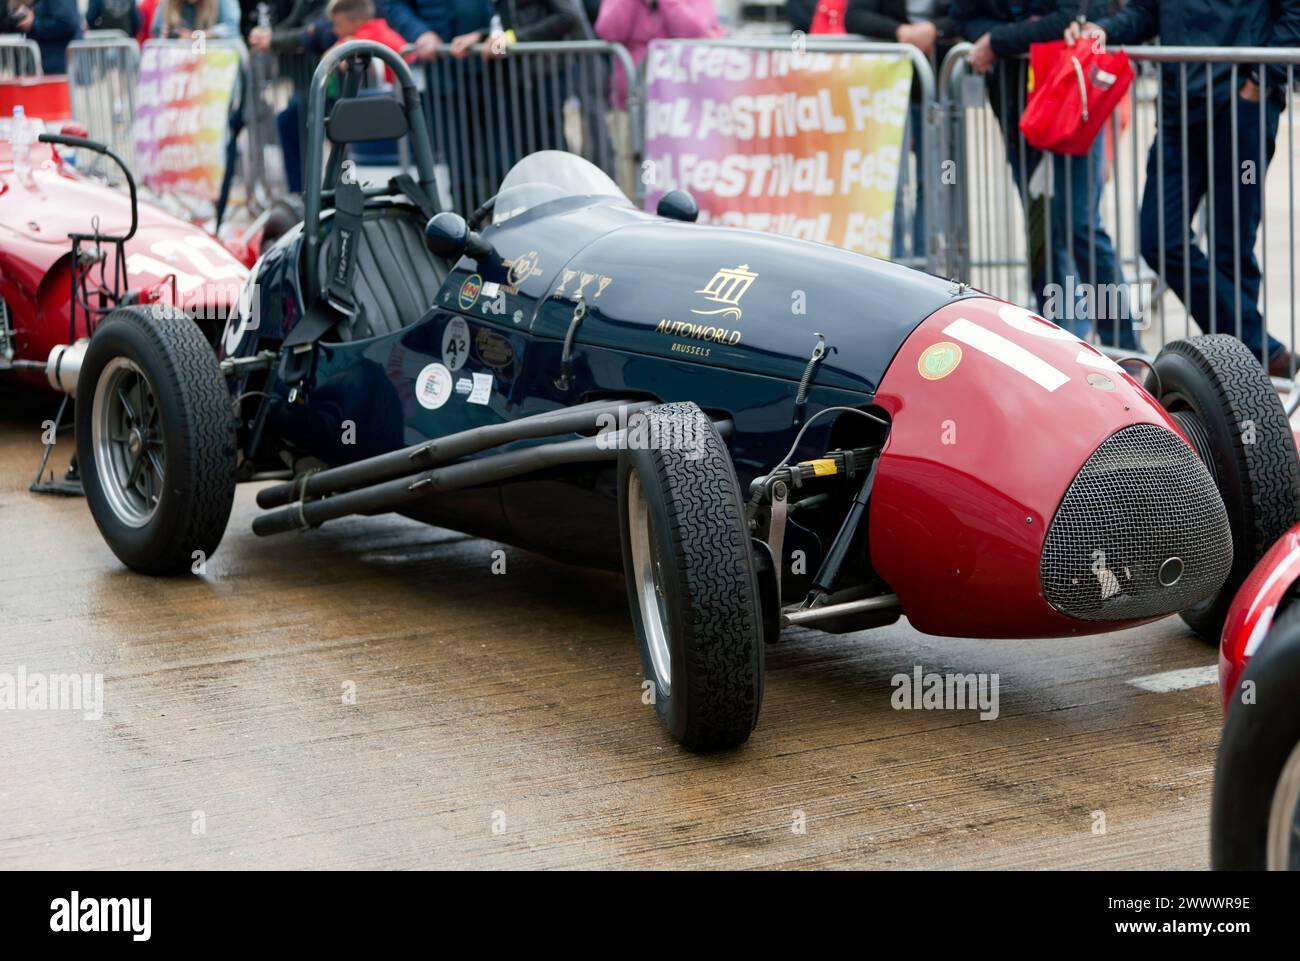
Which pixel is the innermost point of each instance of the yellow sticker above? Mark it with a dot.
(823, 467)
(939, 360)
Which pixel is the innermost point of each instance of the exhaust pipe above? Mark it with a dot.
(493, 468)
(444, 450)
(388, 496)
(63, 366)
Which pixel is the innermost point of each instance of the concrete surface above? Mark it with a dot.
(497, 720)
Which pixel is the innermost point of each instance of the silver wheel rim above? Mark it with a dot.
(126, 436)
(1284, 818)
(648, 579)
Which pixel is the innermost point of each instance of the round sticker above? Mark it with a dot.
(433, 386)
(455, 343)
(1101, 382)
(939, 360)
(469, 291)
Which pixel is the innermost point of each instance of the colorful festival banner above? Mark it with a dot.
(803, 144)
(182, 101)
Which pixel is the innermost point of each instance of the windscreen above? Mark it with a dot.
(550, 175)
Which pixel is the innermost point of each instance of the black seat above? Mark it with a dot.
(396, 278)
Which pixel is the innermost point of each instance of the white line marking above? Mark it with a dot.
(1180, 680)
(1005, 351)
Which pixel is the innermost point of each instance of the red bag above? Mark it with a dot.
(1073, 91)
(829, 17)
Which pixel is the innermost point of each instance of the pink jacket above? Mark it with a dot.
(633, 24)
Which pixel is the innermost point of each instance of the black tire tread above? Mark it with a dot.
(1268, 468)
(1257, 740)
(715, 580)
(208, 477)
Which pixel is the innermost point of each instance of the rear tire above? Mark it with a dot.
(155, 439)
(1223, 400)
(691, 581)
(1255, 811)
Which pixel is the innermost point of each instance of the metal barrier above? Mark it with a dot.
(102, 74)
(1089, 240)
(278, 86)
(1173, 199)
(19, 57)
(485, 114)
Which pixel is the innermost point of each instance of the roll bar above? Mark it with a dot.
(417, 133)
(83, 143)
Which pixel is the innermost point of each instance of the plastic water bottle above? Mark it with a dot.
(21, 138)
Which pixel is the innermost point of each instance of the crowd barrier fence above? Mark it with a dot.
(102, 74)
(1006, 222)
(19, 57)
(486, 113)
(278, 82)
(1162, 213)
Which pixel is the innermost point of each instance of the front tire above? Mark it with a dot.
(691, 582)
(155, 439)
(1217, 393)
(1255, 812)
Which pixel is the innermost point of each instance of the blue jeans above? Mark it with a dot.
(1091, 250)
(1208, 292)
(286, 123)
(1078, 250)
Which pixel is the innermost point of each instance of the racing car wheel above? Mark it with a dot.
(691, 581)
(155, 439)
(1216, 391)
(1255, 813)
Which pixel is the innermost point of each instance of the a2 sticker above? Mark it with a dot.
(455, 343)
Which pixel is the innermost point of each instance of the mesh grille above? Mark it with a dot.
(1140, 501)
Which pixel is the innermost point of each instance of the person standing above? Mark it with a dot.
(527, 21)
(1076, 251)
(634, 23)
(121, 15)
(53, 24)
(1223, 295)
(180, 19)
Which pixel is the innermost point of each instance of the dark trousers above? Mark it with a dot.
(287, 124)
(1211, 293)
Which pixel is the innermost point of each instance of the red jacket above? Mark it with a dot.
(379, 31)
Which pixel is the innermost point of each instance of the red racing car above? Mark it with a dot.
(166, 260)
(1255, 820)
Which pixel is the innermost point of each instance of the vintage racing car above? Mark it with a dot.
(1255, 815)
(165, 258)
(759, 432)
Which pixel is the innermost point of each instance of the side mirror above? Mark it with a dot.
(447, 235)
(678, 205)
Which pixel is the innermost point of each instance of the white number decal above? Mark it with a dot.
(1024, 361)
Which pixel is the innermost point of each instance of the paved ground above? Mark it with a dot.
(497, 721)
